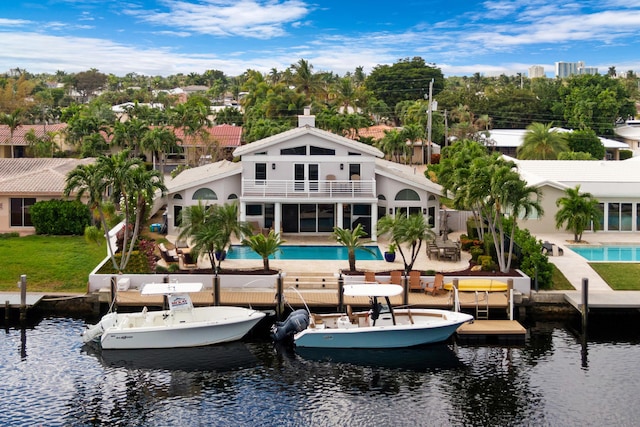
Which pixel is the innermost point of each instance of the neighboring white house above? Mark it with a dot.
(613, 184)
(307, 181)
(630, 133)
(507, 141)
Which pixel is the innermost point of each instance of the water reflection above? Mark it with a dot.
(216, 358)
(419, 359)
(54, 380)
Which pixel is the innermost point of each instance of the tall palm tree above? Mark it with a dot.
(159, 141)
(118, 171)
(265, 246)
(351, 239)
(542, 143)
(89, 180)
(394, 145)
(409, 230)
(578, 211)
(305, 80)
(13, 121)
(144, 185)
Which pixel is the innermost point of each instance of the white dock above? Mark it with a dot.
(605, 299)
(14, 298)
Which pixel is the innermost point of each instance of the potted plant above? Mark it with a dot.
(390, 253)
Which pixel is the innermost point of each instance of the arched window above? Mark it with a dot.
(407, 194)
(232, 196)
(205, 194)
(177, 197)
(381, 197)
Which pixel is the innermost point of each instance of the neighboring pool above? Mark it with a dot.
(320, 253)
(609, 253)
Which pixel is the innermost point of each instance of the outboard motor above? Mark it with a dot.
(296, 322)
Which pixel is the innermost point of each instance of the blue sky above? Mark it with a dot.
(462, 37)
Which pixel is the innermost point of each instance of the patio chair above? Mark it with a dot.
(415, 284)
(370, 277)
(169, 255)
(186, 261)
(437, 285)
(433, 250)
(396, 277)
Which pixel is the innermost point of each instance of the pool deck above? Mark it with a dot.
(576, 268)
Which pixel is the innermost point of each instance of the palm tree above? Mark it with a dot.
(265, 246)
(89, 180)
(394, 144)
(578, 211)
(192, 219)
(159, 141)
(410, 230)
(351, 239)
(13, 121)
(211, 229)
(144, 185)
(542, 143)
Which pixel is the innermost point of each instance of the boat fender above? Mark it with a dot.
(297, 321)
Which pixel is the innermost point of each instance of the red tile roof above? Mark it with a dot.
(225, 135)
(21, 131)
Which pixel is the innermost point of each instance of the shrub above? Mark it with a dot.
(475, 252)
(60, 217)
(625, 154)
(486, 262)
(467, 243)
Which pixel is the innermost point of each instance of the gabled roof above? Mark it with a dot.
(21, 131)
(262, 144)
(598, 177)
(36, 176)
(202, 175)
(413, 175)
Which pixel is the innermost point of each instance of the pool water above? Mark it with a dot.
(313, 252)
(609, 253)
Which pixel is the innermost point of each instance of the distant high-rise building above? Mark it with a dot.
(588, 70)
(566, 69)
(536, 71)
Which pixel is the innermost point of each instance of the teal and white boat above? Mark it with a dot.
(381, 326)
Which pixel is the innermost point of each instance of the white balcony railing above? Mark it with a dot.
(308, 189)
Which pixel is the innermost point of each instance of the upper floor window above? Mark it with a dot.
(205, 194)
(295, 151)
(320, 151)
(407, 194)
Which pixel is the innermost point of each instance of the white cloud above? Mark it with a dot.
(247, 18)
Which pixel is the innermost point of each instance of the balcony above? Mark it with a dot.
(342, 189)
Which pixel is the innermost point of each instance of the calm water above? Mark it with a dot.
(608, 253)
(49, 378)
(293, 252)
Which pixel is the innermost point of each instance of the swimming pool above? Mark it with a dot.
(608, 253)
(303, 252)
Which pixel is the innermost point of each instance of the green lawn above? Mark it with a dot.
(560, 282)
(51, 263)
(620, 276)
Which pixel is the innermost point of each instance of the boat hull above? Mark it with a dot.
(385, 336)
(192, 328)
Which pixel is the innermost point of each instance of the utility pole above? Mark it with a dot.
(429, 123)
(446, 129)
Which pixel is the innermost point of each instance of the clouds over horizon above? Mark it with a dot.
(178, 36)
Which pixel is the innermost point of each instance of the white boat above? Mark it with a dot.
(183, 325)
(380, 327)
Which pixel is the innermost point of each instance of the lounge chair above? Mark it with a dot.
(437, 285)
(169, 255)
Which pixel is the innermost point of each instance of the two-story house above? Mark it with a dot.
(307, 181)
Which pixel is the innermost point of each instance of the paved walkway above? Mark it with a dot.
(574, 267)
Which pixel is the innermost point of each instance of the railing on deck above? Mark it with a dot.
(319, 188)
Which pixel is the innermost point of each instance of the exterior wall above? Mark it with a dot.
(546, 223)
(5, 213)
(224, 188)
